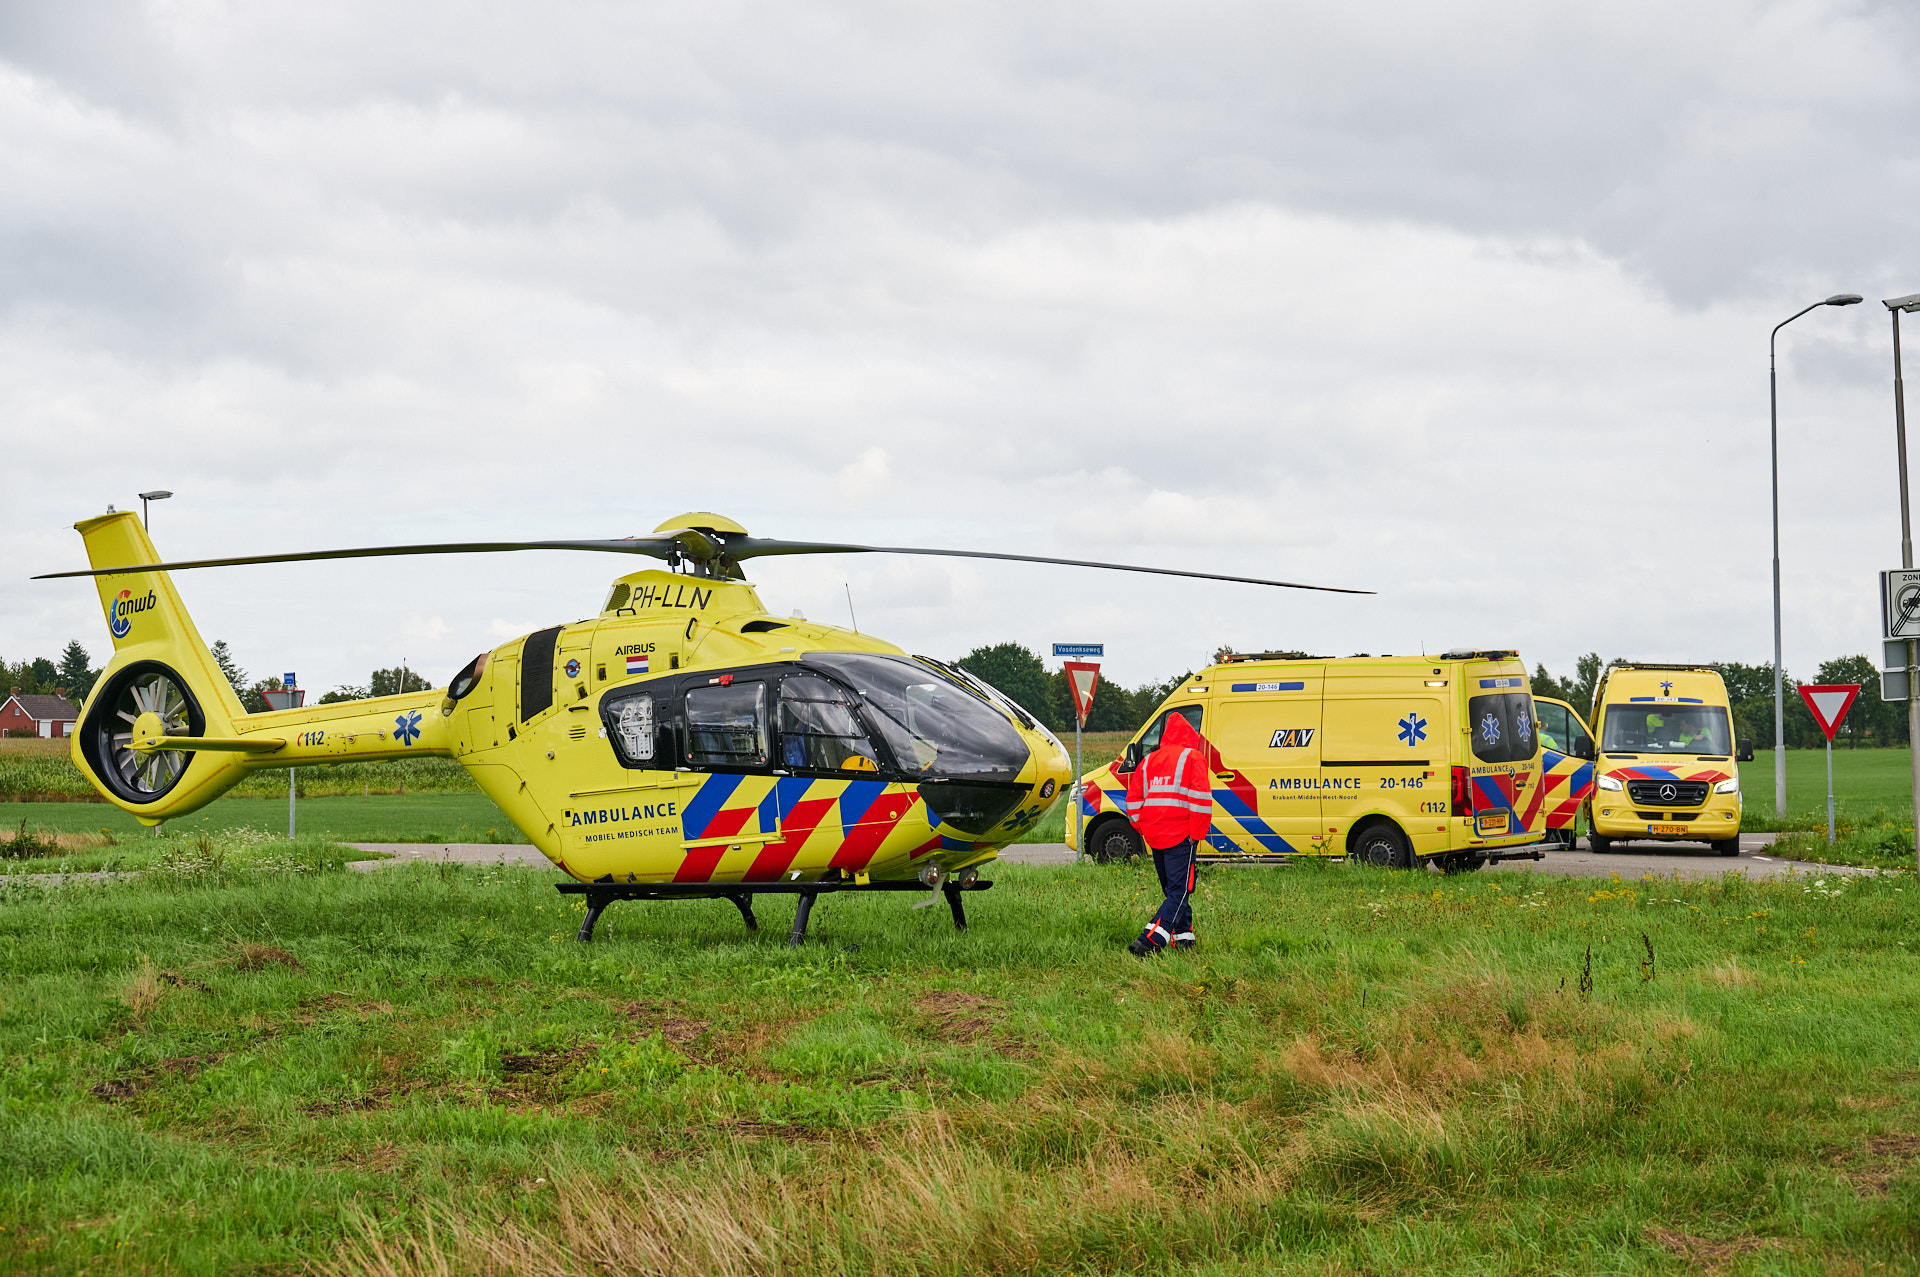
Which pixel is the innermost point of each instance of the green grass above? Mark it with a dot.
(228, 1069)
(36, 769)
(1870, 787)
(405, 818)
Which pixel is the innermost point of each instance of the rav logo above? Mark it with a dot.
(1291, 738)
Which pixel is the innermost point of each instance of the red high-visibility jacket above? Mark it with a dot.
(1170, 795)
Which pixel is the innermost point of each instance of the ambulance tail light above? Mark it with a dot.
(1462, 792)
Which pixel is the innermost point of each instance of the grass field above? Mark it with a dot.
(405, 818)
(43, 769)
(1871, 787)
(237, 1069)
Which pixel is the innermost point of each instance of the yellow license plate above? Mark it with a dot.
(1494, 824)
(1666, 829)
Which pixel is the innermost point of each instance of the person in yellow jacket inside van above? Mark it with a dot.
(1170, 800)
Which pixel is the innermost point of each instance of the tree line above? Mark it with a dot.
(383, 682)
(1872, 722)
(1023, 677)
(73, 673)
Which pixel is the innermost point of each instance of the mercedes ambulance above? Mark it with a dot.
(1394, 761)
(1665, 766)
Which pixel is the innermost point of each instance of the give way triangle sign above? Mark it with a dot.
(1829, 703)
(1082, 676)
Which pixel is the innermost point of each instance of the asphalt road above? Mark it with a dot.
(1667, 859)
(1629, 860)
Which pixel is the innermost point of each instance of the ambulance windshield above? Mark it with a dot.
(1666, 729)
(933, 726)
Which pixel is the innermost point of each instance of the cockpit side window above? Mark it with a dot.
(819, 730)
(727, 725)
(931, 726)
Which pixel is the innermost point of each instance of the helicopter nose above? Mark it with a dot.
(1053, 773)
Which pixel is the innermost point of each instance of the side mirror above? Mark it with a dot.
(1130, 757)
(1746, 750)
(1583, 747)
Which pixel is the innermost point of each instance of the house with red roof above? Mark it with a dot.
(24, 715)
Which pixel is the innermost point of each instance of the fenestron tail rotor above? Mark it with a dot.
(145, 698)
(707, 545)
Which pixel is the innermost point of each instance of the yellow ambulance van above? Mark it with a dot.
(1394, 761)
(1566, 777)
(1665, 766)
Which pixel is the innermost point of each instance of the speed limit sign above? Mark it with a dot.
(1900, 603)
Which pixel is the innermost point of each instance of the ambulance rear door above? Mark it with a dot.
(1266, 796)
(1505, 744)
(1385, 751)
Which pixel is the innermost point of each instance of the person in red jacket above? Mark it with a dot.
(1170, 800)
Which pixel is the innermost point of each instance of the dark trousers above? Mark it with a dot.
(1175, 865)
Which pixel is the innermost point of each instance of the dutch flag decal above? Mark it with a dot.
(636, 665)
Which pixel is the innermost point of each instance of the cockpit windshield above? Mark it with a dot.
(932, 726)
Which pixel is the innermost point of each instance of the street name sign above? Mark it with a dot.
(1100, 649)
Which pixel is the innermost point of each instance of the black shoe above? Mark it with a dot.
(1139, 947)
(1186, 944)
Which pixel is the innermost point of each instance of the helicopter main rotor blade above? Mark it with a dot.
(696, 544)
(753, 547)
(656, 547)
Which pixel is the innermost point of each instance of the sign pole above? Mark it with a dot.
(1079, 839)
(289, 804)
(1906, 561)
(1829, 792)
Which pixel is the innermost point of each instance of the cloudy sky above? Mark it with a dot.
(1466, 304)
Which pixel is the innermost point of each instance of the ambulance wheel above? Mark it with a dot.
(1727, 846)
(1114, 841)
(1598, 844)
(1460, 862)
(1382, 845)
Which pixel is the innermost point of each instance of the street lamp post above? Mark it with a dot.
(1779, 706)
(155, 495)
(1909, 303)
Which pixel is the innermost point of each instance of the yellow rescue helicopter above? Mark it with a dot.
(684, 743)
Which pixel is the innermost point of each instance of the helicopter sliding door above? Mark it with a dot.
(727, 741)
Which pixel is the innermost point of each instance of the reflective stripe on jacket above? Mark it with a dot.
(1170, 795)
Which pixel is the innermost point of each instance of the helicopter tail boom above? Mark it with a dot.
(163, 733)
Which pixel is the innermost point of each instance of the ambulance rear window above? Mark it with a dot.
(1501, 727)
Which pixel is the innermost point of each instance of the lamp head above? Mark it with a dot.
(1909, 303)
(1842, 299)
(155, 495)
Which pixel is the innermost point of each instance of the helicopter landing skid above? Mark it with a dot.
(601, 894)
